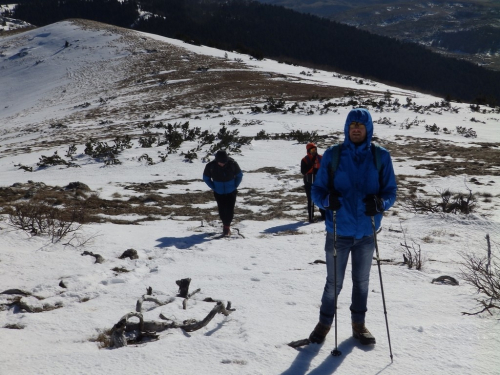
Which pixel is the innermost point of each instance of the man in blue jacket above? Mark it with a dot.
(223, 175)
(362, 185)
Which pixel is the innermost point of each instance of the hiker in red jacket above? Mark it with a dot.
(309, 167)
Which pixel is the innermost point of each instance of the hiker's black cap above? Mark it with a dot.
(221, 156)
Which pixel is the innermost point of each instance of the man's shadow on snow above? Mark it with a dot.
(302, 362)
(184, 243)
(286, 227)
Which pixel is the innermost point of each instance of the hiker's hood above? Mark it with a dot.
(363, 116)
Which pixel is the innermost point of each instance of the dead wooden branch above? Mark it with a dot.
(129, 253)
(98, 257)
(483, 273)
(395, 230)
(487, 307)
(193, 293)
(81, 242)
(148, 329)
(445, 280)
(238, 231)
(411, 256)
(218, 309)
(194, 325)
(23, 305)
(184, 303)
(144, 298)
(18, 300)
(391, 261)
(489, 253)
(183, 285)
(299, 343)
(449, 203)
(12, 301)
(184, 291)
(118, 338)
(16, 291)
(318, 261)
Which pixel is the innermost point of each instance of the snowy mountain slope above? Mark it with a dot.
(109, 82)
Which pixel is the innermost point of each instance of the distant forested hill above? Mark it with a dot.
(463, 29)
(275, 32)
(45, 12)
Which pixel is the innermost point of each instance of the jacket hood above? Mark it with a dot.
(310, 145)
(363, 116)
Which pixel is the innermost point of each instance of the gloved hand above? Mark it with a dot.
(374, 205)
(333, 200)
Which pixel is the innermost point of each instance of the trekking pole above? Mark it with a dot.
(335, 352)
(381, 285)
(312, 202)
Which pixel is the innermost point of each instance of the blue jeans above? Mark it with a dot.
(361, 259)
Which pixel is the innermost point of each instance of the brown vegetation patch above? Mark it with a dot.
(473, 161)
(148, 206)
(92, 207)
(454, 168)
(151, 186)
(270, 170)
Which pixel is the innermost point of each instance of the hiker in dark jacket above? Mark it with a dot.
(223, 175)
(309, 166)
(358, 191)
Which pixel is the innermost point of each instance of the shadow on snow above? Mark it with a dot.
(286, 227)
(302, 362)
(183, 243)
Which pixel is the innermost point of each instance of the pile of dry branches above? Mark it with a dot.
(126, 332)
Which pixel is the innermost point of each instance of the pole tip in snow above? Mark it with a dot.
(336, 353)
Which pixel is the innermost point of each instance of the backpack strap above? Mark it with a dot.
(232, 165)
(377, 158)
(334, 163)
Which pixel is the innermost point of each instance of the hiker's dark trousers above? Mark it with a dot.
(310, 205)
(225, 204)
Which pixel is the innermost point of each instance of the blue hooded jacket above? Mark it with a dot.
(355, 177)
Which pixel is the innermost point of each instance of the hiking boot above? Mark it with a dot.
(226, 230)
(360, 332)
(318, 335)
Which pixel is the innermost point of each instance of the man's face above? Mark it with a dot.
(357, 132)
(221, 164)
(313, 151)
